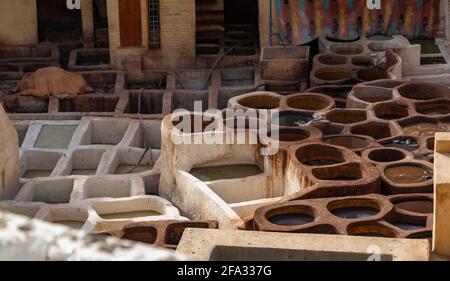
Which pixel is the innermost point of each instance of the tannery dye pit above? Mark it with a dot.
(224, 130)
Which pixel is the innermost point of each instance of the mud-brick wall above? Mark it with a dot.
(18, 22)
(9, 158)
(178, 31)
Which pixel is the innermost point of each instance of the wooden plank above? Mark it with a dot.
(130, 23)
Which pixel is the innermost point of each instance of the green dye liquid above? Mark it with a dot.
(129, 215)
(84, 172)
(72, 224)
(428, 46)
(55, 136)
(30, 174)
(226, 172)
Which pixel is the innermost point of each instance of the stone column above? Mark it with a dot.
(441, 227)
(9, 158)
(87, 18)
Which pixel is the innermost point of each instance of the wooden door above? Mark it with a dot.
(130, 23)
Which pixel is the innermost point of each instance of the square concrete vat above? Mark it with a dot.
(285, 63)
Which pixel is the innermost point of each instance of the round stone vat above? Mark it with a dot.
(310, 102)
(354, 209)
(330, 59)
(346, 116)
(371, 229)
(372, 74)
(362, 61)
(244, 123)
(376, 130)
(408, 223)
(259, 100)
(334, 73)
(417, 204)
(371, 95)
(388, 84)
(357, 143)
(437, 107)
(289, 134)
(391, 111)
(319, 155)
(421, 126)
(403, 142)
(338, 92)
(408, 173)
(423, 91)
(294, 215)
(346, 49)
(385, 155)
(291, 118)
(344, 172)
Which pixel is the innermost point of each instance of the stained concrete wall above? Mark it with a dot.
(18, 22)
(9, 158)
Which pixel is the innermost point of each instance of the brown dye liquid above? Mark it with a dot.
(55, 136)
(374, 99)
(29, 174)
(423, 129)
(291, 219)
(291, 136)
(129, 215)
(83, 172)
(343, 178)
(436, 111)
(392, 117)
(225, 172)
(416, 206)
(408, 174)
(126, 169)
(334, 75)
(355, 212)
(321, 162)
(348, 142)
(72, 224)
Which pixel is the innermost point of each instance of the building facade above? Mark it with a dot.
(159, 33)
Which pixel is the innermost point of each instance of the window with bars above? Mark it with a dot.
(154, 24)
